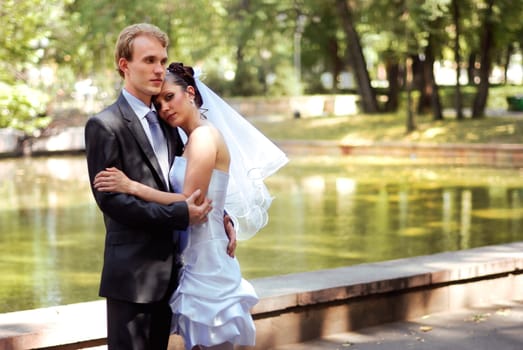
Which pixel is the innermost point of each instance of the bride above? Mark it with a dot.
(227, 159)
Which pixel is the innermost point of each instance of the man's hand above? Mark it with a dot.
(198, 213)
(231, 233)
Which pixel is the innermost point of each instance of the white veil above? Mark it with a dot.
(253, 158)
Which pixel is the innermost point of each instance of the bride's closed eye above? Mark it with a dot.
(168, 97)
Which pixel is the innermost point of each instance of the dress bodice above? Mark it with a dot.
(217, 187)
(216, 191)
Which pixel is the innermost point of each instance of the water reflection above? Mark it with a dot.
(327, 213)
(350, 215)
(50, 233)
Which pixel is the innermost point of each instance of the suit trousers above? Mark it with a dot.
(132, 326)
(137, 326)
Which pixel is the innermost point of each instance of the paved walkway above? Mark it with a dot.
(492, 327)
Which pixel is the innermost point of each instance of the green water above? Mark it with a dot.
(327, 212)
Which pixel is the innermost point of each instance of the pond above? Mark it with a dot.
(327, 212)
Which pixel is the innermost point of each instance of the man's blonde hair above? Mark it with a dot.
(124, 44)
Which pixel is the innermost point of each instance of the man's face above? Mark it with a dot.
(145, 72)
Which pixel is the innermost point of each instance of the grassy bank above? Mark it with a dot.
(506, 129)
(500, 126)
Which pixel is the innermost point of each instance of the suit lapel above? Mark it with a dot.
(136, 129)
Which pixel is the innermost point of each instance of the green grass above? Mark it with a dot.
(507, 129)
(500, 126)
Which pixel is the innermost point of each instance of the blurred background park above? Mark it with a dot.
(434, 71)
(419, 58)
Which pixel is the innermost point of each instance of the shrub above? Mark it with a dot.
(23, 108)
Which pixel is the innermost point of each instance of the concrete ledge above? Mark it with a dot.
(298, 307)
(74, 326)
(309, 288)
(67, 140)
(11, 142)
(504, 155)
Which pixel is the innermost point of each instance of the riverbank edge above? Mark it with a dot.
(71, 141)
(494, 155)
(299, 307)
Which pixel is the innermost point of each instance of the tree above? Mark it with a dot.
(367, 94)
(456, 17)
(390, 43)
(411, 120)
(268, 47)
(427, 24)
(430, 89)
(264, 54)
(25, 38)
(486, 49)
(322, 50)
(500, 27)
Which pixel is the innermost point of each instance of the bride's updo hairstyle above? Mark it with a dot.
(183, 76)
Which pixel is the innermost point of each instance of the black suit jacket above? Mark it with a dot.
(140, 244)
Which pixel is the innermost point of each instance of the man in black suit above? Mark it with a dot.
(141, 263)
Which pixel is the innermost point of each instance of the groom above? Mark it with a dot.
(140, 267)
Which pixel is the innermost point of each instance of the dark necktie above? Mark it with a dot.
(158, 142)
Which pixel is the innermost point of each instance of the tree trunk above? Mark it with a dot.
(411, 123)
(242, 84)
(487, 43)
(393, 76)
(471, 68)
(510, 51)
(369, 103)
(336, 62)
(431, 88)
(458, 99)
(422, 83)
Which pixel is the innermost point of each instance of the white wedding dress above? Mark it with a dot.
(212, 302)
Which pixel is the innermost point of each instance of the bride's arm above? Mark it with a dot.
(200, 152)
(114, 180)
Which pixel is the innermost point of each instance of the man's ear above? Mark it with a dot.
(123, 64)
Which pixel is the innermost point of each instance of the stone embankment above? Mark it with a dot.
(299, 307)
(11, 142)
(494, 155)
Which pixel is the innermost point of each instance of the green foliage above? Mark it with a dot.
(25, 40)
(22, 108)
(285, 82)
(253, 41)
(246, 82)
(22, 35)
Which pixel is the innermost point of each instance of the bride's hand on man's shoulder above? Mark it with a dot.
(112, 180)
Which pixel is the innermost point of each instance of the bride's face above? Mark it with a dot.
(174, 104)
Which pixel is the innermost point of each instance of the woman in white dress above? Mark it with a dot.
(211, 306)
